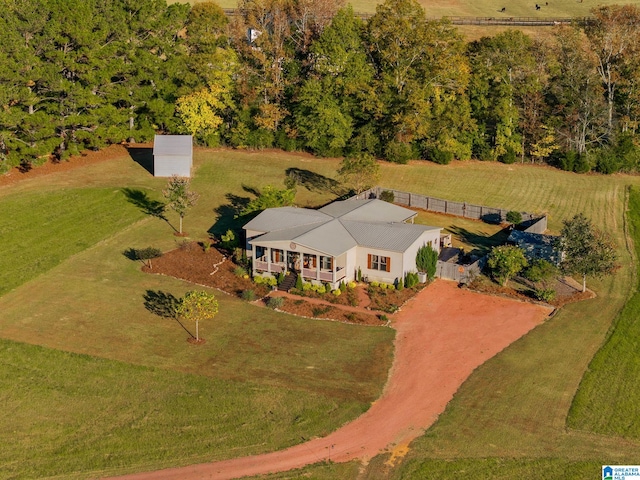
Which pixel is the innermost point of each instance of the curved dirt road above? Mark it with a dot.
(442, 336)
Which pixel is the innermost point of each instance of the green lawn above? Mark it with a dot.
(510, 414)
(607, 401)
(41, 229)
(75, 415)
(267, 379)
(474, 236)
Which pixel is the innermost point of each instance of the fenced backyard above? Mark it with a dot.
(453, 269)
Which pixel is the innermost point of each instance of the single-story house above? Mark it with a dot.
(172, 155)
(331, 244)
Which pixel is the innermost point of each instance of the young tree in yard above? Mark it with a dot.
(270, 197)
(359, 172)
(196, 306)
(506, 261)
(587, 251)
(179, 196)
(542, 273)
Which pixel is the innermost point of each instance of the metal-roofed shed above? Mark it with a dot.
(172, 155)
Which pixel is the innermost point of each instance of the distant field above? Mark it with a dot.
(482, 8)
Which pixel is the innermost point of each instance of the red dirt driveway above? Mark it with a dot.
(443, 334)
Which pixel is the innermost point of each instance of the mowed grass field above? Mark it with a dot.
(92, 383)
(112, 388)
(479, 8)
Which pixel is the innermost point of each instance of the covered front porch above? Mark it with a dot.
(310, 265)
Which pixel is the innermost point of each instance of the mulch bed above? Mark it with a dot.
(304, 308)
(192, 263)
(565, 293)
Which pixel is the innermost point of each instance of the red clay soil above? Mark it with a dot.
(86, 158)
(443, 334)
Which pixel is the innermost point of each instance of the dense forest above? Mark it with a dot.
(311, 75)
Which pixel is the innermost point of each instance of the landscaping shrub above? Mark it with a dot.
(352, 285)
(229, 241)
(514, 217)
(249, 295)
(352, 298)
(411, 279)
(280, 278)
(318, 311)
(240, 272)
(387, 196)
(545, 294)
(342, 287)
(145, 255)
(506, 261)
(427, 260)
(299, 283)
(440, 156)
(337, 292)
(275, 302)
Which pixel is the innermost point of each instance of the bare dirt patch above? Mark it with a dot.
(86, 158)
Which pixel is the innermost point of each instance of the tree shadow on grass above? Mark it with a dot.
(148, 206)
(229, 217)
(481, 243)
(141, 200)
(164, 305)
(314, 182)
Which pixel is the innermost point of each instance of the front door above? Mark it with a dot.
(293, 261)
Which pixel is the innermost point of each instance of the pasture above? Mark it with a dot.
(77, 335)
(480, 8)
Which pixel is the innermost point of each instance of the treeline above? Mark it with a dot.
(311, 75)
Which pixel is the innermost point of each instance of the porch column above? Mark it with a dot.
(268, 255)
(334, 265)
(317, 257)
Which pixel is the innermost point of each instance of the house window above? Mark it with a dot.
(277, 255)
(260, 253)
(378, 262)
(309, 261)
(326, 263)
